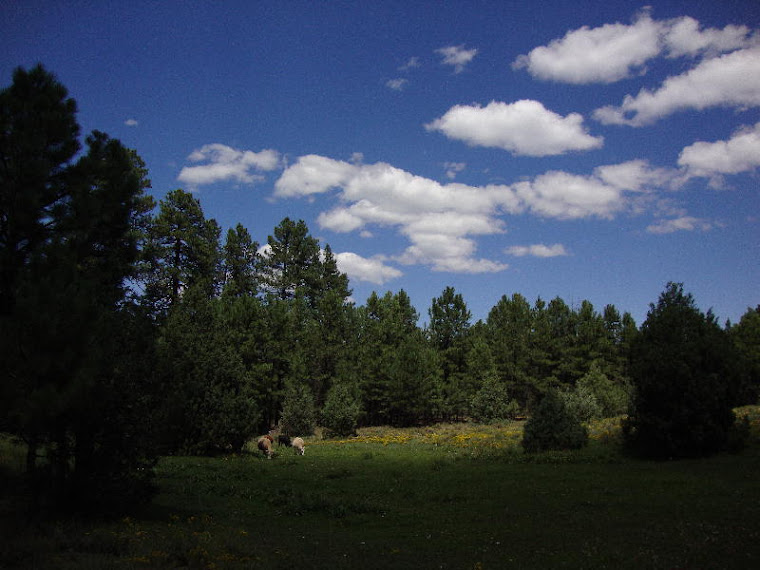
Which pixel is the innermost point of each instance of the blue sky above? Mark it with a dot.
(587, 150)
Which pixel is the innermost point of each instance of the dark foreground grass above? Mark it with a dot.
(415, 505)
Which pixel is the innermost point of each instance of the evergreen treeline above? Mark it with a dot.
(131, 329)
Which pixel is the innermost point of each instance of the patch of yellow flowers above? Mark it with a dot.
(495, 436)
(461, 435)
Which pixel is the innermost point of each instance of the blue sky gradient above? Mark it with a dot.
(587, 150)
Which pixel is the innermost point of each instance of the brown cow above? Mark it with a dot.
(265, 445)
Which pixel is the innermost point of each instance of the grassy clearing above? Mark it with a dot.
(449, 496)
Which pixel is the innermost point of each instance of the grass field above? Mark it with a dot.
(449, 496)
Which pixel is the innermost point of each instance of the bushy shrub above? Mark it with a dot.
(581, 403)
(612, 398)
(341, 411)
(492, 402)
(553, 427)
(298, 414)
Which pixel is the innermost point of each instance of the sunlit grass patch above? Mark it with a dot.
(461, 436)
(752, 415)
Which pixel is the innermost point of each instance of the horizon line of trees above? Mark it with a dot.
(130, 329)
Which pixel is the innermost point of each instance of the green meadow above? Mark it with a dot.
(448, 496)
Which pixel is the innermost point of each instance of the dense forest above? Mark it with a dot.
(132, 329)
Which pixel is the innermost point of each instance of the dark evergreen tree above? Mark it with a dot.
(492, 402)
(388, 322)
(210, 403)
(239, 263)
(590, 344)
(683, 369)
(553, 427)
(292, 261)
(39, 136)
(68, 385)
(510, 324)
(448, 331)
(183, 251)
(620, 332)
(562, 340)
(746, 338)
(299, 416)
(341, 412)
(415, 389)
(247, 325)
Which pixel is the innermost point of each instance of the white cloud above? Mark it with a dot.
(411, 63)
(637, 176)
(457, 56)
(361, 268)
(131, 122)
(683, 223)
(566, 196)
(313, 174)
(341, 220)
(741, 153)
(731, 80)
(537, 250)
(436, 218)
(264, 250)
(599, 55)
(454, 168)
(613, 52)
(396, 84)
(684, 38)
(524, 127)
(442, 221)
(227, 163)
(447, 252)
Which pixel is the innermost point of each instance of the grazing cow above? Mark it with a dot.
(265, 445)
(298, 444)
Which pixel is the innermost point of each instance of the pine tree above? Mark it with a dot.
(183, 251)
(39, 136)
(69, 246)
(239, 263)
(683, 368)
(448, 331)
(553, 427)
(510, 324)
(746, 339)
(292, 261)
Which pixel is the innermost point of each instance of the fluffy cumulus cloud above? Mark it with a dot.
(313, 174)
(537, 250)
(636, 175)
(731, 80)
(741, 153)
(437, 219)
(566, 196)
(457, 56)
(595, 55)
(222, 162)
(613, 52)
(373, 270)
(523, 128)
(443, 221)
(683, 37)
